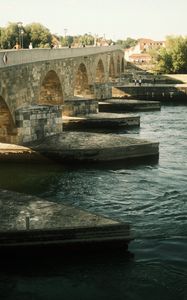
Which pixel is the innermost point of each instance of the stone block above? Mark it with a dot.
(26, 116)
(27, 131)
(19, 123)
(26, 123)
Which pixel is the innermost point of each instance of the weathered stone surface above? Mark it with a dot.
(38, 122)
(32, 226)
(82, 146)
(43, 214)
(76, 107)
(93, 147)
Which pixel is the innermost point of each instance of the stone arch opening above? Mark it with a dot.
(8, 130)
(122, 65)
(51, 90)
(111, 70)
(100, 72)
(118, 67)
(81, 87)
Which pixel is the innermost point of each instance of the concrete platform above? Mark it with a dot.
(121, 106)
(81, 147)
(95, 147)
(27, 221)
(101, 121)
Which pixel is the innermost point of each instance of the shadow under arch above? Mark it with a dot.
(100, 72)
(111, 69)
(51, 90)
(118, 66)
(8, 130)
(122, 65)
(81, 85)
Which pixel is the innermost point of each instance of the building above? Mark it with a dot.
(138, 53)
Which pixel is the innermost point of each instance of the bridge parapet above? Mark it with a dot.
(17, 57)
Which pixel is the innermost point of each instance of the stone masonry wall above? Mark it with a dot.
(76, 107)
(103, 91)
(36, 122)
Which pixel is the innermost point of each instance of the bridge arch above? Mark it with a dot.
(111, 69)
(81, 83)
(50, 90)
(100, 72)
(8, 129)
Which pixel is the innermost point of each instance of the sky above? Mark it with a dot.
(115, 19)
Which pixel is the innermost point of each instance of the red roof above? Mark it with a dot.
(141, 55)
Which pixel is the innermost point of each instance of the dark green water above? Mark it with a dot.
(152, 197)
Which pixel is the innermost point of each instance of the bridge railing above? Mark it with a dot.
(17, 57)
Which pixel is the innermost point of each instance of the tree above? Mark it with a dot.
(86, 39)
(1, 37)
(38, 35)
(128, 43)
(10, 36)
(66, 40)
(173, 58)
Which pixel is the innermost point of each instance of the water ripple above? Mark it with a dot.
(151, 197)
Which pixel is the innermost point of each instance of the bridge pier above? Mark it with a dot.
(103, 91)
(38, 121)
(80, 106)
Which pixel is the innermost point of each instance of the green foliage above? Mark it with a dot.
(14, 34)
(38, 35)
(128, 43)
(9, 36)
(173, 58)
(66, 40)
(1, 37)
(86, 39)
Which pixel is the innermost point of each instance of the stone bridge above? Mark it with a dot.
(39, 86)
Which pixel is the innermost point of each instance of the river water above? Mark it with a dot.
(152, 197)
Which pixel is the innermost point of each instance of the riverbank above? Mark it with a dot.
(176, 93)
